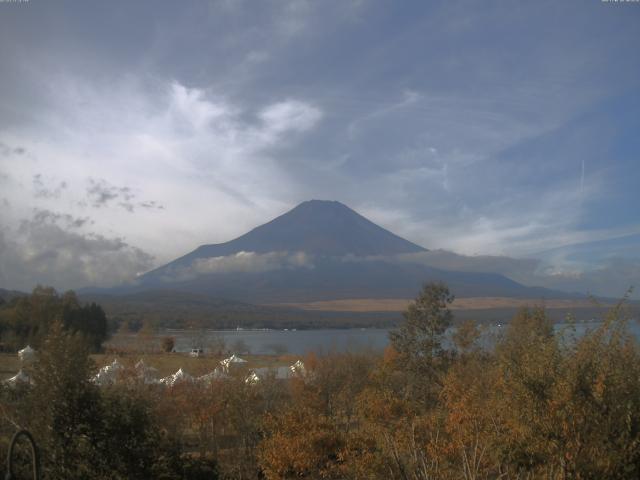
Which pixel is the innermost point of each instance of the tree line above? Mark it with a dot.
(540, 404)
(28, 319)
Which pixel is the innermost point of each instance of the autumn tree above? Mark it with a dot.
(466, 336)
(168, 343)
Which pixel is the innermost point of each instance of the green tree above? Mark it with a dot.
(27, 320)
(418, 342)
(64, 405)
(87, 433)
(89, 320)
(419, 339)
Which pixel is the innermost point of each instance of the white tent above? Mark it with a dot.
(146, 373)
(278, 373)
(108, 375)
(252, 379)
(141, 366)
(19, 377)
(116, 365)
(26, 354)
(178, 377)
(233, 359)
(103, 377)
(298, 368)
(217, 374)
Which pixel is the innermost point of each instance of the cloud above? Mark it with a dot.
(6, 150)
(446, 260)
(290, 115)
(241, 262)
(42, 190)
(102, 194)
(611, 277)
(68, 221)
(48, 249)
(151, 205)
(187, 146)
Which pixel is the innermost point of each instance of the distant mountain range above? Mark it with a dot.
(319, 250)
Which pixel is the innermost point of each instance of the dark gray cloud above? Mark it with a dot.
(152, 205)
(6, 150)
(49, 249)
(102, 194)
(65, 220)
(47, 188)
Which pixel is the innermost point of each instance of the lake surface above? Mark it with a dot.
(299, 342)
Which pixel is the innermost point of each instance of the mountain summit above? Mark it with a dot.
(318, 227)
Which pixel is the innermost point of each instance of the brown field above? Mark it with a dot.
(399, 304)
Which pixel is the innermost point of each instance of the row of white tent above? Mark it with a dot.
(110, 374)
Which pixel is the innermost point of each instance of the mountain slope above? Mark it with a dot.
(317, 227)
(319, 250)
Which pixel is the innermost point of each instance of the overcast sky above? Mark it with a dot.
(132, 132)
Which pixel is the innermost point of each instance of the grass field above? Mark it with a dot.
(400, 304)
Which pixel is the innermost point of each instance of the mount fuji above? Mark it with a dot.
(319, 250)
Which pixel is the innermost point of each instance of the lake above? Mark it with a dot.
(299, 342)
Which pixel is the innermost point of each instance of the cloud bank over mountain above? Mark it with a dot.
(241, 262)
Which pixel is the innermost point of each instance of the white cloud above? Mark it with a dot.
(201, 157)
(191, 105)
(290, 115)
(241, 262)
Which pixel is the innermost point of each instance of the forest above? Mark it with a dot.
(27, 319)
(540, 404)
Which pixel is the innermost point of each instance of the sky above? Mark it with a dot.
(503, 136)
